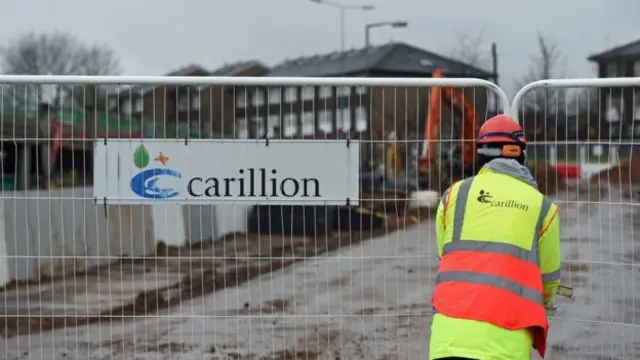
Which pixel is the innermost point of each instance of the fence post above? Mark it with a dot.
(4, 256)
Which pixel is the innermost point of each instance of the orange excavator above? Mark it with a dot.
(461, 158)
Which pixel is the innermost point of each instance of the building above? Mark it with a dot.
(51, 144)
(210, 111)
(309, 111)
(205, 109)
(618, 103)
(252, 111)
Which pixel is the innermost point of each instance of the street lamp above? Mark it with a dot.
(343, 8)
(393, 24)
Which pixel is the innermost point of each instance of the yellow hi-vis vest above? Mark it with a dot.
(502, 207)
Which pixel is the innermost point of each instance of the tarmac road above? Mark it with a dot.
(371, 301)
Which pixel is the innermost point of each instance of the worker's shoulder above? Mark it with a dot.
(451, 187)
(549, 204)
(553, 206)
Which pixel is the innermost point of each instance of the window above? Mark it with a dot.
(241, 128)
(195, 101)
(113, 103)
(324, 121)
(126, 107)
(344, 91)
(241, 99)
(308, 92)
(290, 126)
(636, 107)
(361, 90)
(258, 123)
(362, 120)
(614, 109)
(611, 69)
(183, 103)
(307, 124)
(258, 98)
(291, 94)
(274, 95)
(273, 123)
(344, 119)
(137, 105)
(325, 92)
(636, 68)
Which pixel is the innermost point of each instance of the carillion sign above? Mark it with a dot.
(282, 172)
(254, 182)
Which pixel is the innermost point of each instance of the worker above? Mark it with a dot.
(393, 160)
(499, 251)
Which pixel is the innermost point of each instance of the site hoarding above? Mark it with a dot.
(152, 171)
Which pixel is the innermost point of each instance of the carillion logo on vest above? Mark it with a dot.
(486, 198)
(252, 182)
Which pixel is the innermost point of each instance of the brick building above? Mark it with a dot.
(318, 111)
(620, 106)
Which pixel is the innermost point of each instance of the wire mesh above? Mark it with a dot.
(583, 144)
(235, 280)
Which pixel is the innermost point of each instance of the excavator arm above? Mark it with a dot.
(456, 101)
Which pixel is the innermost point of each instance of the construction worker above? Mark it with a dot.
(499, 251)
(393, 160)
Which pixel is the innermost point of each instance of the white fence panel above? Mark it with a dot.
(370, 272)
(592, 125)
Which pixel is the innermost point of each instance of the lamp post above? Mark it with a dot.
(343, 8)
(393, 24)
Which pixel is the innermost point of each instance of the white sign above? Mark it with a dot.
(303, 172)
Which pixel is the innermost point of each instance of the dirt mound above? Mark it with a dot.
(549, 181)
(627, 172)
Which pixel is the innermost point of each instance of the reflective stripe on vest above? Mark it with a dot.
(459, 244)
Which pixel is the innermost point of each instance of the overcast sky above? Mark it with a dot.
(156, 36)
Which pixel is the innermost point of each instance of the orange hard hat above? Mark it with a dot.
(501, 129)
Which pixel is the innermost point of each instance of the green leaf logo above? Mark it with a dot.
(141, 157)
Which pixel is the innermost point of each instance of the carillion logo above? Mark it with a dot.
(246, 183)
(254, 182)
(486, 198)
(145, 183)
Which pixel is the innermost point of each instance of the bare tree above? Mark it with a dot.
(94, 60)
(544, 107)
(470, 47)
(55, 54)
(547, 63)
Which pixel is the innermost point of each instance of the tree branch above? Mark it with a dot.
(58, 54)
(470, 48)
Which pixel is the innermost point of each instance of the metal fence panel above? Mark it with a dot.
(198, 278)
(591, 125)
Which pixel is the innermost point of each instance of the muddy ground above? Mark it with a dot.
(364, 300)
(628, 172)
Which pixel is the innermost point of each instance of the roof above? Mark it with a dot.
(141, 89)
(226, 70)
(394, 57)
(631, 49)
(235, 68)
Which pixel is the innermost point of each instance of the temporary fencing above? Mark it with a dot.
(283, 217)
